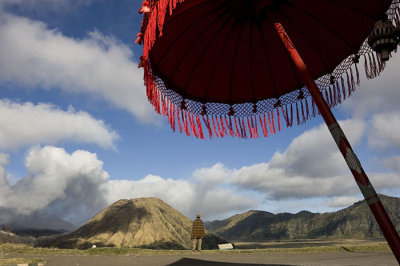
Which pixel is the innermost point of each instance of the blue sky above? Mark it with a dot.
(77, 132)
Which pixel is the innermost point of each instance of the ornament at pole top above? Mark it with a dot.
(145, 7)
(384, 38)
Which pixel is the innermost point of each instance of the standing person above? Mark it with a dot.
(197, 232)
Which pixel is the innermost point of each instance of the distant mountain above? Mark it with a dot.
(36, 224)
(355, 221)
(142, 222)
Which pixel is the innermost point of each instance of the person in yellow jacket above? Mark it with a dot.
(197, 232)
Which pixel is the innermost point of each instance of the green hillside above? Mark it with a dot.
(355, 221)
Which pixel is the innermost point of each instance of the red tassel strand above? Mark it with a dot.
(357, 75)
(237, 129)
(291, 114)
(263, 125)
(199, 127)
(244, 128)
(187, 123)
(285, 115)
(330, 95)
(255, 126)
(173, 117)
(353, 83)
(343, 87)
(335, 95)
(206, 121)
(161, 10)
(313, 108)
(240, 128)
(215, 128)
(229, 125)
(307, 109)
(279, 120)
(273, 121)
(338, 92)
(348, 84)
(179, 120)
(192, 125)
(225, 132)
(250, 128)
(302, 113)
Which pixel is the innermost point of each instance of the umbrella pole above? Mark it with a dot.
(369, 193)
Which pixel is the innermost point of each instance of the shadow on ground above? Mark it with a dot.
(196, 262)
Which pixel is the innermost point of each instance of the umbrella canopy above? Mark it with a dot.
(233, 64)
(221, 64)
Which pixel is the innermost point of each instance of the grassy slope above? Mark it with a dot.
(355, 221)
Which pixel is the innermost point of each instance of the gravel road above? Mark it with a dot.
(377, 258)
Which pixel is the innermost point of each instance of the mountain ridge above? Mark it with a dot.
(355, 221)
(36, 223)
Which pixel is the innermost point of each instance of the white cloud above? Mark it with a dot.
(216, 174)
(4, 160)
(34, 56)
(75, 186)
(384, 130)
(392, 163)
(312, 166)
(377, 95)
(58, 181)
(177, 193)
(279, 184)
(25, 124)
(340, 202)
(385, 181)
(315, 154)
(187, 197)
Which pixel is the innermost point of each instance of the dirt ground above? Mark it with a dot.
(375, 258)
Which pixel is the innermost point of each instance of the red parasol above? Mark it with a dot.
(230, 67)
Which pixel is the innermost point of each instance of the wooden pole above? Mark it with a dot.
(369, 193)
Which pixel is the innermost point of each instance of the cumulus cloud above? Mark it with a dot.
(377, 95)
(343, 201)
(216, 174)
(314, 153)
(4, 160)
(75, 186)
(385, 181)
(188, 197)
(392, 163)
(384, 129)
(25, 124)
(58, 181)
(311, 166)
(34, 56)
